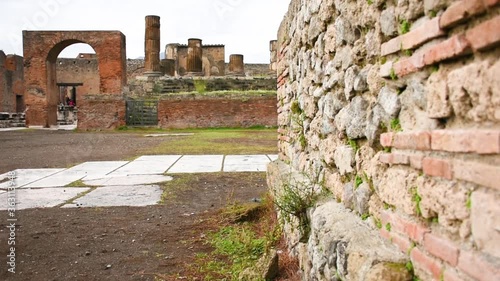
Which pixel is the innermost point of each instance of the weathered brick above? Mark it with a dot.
(451, 275)
(428, 264)
(425, 32)
(482, 174)
(409, 65)
(485, 35)
(391, 47)
(441, 248)
(385, 158)
(478, 267)
(485, 219)
(386, 139)
(455, 46)
(491, 3)
(480, 141)
(386, 69)
(414, 140)
(460, 11)
(414, 231)
(403, 243)
(437, 168)
(416, 161)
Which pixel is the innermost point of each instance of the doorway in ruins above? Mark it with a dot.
(77, 75)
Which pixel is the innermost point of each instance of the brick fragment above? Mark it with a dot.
(478, 267)
(409, 65)
(466, 141)
(424, 33)
(391, 47)
(454, 47)
(441, 248)
(451, 275)
(386, 139)
(424, 262)
(437, 168)
(482, 174)
(485, 35)
(413, 140)
(460, 11)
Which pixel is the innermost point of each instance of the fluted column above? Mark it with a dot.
(195, 57)
(236, 65)
(152, 46)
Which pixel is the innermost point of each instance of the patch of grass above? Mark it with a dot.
(468, 203)
(432, 14)
(369, 2)
(171, 189)
(365, 216)
(200, 85)
(241, 245)
(378, 223)
(219, 141)
(79, 183)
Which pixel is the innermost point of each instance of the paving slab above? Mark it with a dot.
(169, 135)
(12, 129)
(127, 180)
(114, 196)
(91, 170)
(197, 164)
(40, 198)
(246, 163)
(273, 157)
(147, 165)
(27, 176)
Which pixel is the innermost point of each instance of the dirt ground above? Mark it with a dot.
(125, 243)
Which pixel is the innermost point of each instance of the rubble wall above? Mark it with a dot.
(394, 108)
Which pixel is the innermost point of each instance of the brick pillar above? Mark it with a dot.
(273, 48)
(152, 46)
(194, 57)
(236, 65)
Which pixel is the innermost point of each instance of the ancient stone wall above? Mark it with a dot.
(394, 108)
(101, 112)
(11, 83)
(181, 111)
(79, 70)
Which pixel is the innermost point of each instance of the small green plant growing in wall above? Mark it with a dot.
(357, 182)
(353, 144)
(396, 125)
(369, 2)
(404, 26)
(417, 199)
(393, 74)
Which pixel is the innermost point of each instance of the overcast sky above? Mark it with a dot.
(244, 26)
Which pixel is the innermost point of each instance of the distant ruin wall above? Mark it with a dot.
(11, 83)
(101, 112)
(212, 111)
(80, 70)
(394, 108)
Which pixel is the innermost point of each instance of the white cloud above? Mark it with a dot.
(244, 26)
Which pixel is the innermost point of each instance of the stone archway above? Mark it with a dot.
(41, 49)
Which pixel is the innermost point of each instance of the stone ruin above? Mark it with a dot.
(45, 91)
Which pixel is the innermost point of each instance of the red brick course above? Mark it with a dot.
(426, 263)
(477, 141)
(453, 47)
(437, 168)
(441, 248)
(460, 11)
(482, 174)
(206, 112)
(485, 35)
(413, 140)
(478, 267)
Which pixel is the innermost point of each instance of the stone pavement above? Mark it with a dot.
(114, 183)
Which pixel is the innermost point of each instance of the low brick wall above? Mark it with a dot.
(101, 112)
(209, 111)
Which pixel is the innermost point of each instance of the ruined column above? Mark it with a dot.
(236, 65)
(152, 46)
(273, 48)
(195, 57)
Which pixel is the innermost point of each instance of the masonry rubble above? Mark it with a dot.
(392, 108)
